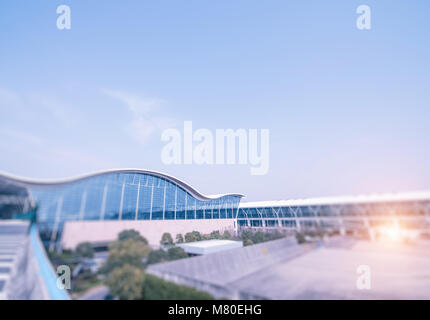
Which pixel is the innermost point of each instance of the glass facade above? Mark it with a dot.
(408, 213)
(130, 194)
(123, 196)
(13, 199)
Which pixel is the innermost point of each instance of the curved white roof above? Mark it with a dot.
(372, 198)
(48, 183)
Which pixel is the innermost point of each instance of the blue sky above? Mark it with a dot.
(348, 110)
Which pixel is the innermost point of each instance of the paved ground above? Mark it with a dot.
(398, 271)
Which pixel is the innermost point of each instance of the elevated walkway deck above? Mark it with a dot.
(25, 271)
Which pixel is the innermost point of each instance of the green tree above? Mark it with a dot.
(248, 242)
(300, 237)
(276, 235)
(166, 239)
(131, 234)
(157, 256)
(123, 252)
(179, 238)
(193, 236)
(258, 237)
(215, 235)
(84, 250)
(226, 235)
(189, 237)
(197, 235)
(246, 234)
(176, 253)
(126, 282)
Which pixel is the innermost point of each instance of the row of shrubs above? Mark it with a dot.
(155, 288)
(250, 237)
(167, 240)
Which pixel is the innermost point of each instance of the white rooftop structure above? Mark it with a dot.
(372, 198)
(209, 246)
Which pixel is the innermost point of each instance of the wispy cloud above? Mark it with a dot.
(139, 105)
(27, 123)
(57, 159)
(145, 112)
(49, 107)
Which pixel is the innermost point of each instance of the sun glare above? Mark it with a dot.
(391, 233)
(395, 233)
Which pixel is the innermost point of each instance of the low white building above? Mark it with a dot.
(209, 246)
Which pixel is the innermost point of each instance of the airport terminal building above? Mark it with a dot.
(70, 210)
(96, 207)
(345, 214)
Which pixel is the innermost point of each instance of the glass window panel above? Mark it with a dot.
(157, 203)
(129, 202)
(144, 202)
